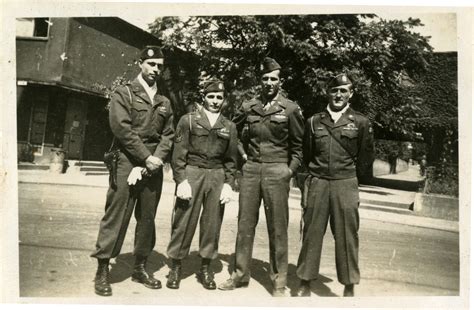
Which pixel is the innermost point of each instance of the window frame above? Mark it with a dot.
(33, 37)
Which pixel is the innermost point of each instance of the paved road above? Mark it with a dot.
(58, 227)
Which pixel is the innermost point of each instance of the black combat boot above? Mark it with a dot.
(205, 276)
(101, 282)
(174, 276)
(141, 276)
(349, 290)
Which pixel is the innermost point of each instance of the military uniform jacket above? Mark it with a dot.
(272, 136)
(142, 127)
(199, 144)
(323, 153)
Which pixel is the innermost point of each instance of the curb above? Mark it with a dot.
(379, 214)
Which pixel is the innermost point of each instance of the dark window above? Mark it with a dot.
(54, 133)
(32, 27)
(23, 113)
(41, 27)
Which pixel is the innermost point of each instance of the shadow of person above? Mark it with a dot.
(192, 263)
(319, 288)
(123, 267)
(260, 272)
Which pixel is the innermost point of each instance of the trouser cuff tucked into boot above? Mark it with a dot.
(205, 276)
(140, 274)
(174, 276)
(101, 282)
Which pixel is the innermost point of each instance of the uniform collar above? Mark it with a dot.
(336, 115)
(346, 118)
(139, 91)
(277, 105)
(210, 116)
(150, 90)
(204, 121)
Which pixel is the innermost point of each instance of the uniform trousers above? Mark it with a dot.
(206, 185)
(119, 206)
(270, 182)
(338, 202)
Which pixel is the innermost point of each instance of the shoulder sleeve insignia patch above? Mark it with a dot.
(178, 137)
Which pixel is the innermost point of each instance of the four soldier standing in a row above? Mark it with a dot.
(336, 146)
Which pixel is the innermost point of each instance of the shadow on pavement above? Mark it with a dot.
(319, 288)
(260, 272)
(123, 267)
(192, 263)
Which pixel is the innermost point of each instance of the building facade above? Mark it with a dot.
(64, 67)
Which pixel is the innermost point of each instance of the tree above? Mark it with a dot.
(377, 53)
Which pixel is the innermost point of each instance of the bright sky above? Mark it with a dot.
(440, 26)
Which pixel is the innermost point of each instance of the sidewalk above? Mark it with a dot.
(412, 175)
(368, 195)
(409, 180)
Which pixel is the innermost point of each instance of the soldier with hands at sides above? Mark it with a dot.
(338, 152)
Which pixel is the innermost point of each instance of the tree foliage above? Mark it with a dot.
(396, 75)
(378, 54)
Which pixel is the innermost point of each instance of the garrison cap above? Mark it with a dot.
(339, 80)
(151, 51)
(213, 86)
(269, 65)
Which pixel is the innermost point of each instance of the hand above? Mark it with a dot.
(184, 190)
(244, 157)
(153, 163)
(135, 175)
(145, 172)
(226, 194)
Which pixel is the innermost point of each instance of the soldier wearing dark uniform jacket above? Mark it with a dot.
(338, 152)
(271, 134)
(141, 121)
(204, 163)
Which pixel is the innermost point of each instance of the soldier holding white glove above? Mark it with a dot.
(204, 164)
(184, 190)
(226, 194)
(135, 175)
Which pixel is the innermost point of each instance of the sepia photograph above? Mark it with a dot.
(262, 155)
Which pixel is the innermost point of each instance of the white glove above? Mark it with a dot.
(226, 193)
(135, 175)
(184, 190)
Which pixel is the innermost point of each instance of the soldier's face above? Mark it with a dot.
(151, 69)
(270, 83)
(213, 101)
(339, 97)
